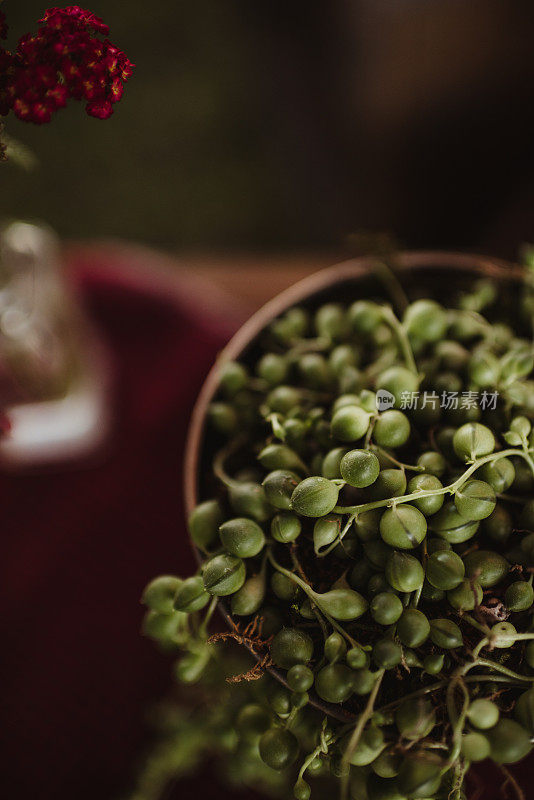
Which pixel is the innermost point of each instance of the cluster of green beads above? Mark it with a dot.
(389, 554)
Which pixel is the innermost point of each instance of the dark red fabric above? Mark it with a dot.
(80, 542)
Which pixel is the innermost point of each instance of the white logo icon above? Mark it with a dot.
(384, 400)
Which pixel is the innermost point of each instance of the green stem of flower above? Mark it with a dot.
(491, 678)
(450, 489)
(402, 338)
(458, 678)
(288, 722)
(435, 687)
(318, 615)
(460, 770)
(203, 630)
(220, 458)
(308, 760)
(392, 284)
(291, 575)
(400, 464)
(457, 720)
(340, 629)
(313, 596)
(339, 539)
(484, 662)
(528, 457)
(370, 429)
(476, 652)
(482, 628)
(357, 733)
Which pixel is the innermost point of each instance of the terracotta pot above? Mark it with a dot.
(434, 274)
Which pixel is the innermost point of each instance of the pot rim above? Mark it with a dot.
(304, 289)
(299, 291)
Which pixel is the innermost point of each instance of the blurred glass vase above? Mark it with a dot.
(54, 374)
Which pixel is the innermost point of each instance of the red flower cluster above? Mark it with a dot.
(64, 59)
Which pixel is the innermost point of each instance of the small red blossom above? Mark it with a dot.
(61, 18)
(58, 96)
(117, 88)
(22, 109)
(64, 59)
(101, 109)
(41, 111)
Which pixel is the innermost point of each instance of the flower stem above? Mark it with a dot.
(356, 735)
(209, 613)
(402, 338)
(220, 458)
(400, 464)
(450, 489)
(313, 596)
(484, 662)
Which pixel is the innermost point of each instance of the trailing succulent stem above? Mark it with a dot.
(367, 524)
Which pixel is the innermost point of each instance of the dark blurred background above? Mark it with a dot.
(252, 140)
(289, 125)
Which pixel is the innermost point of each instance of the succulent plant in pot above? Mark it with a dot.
(360, 478)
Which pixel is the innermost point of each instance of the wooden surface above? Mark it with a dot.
(230, 285)
(252, 279)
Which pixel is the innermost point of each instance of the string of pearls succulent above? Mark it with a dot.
(387, 556)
